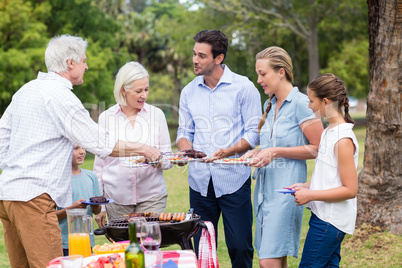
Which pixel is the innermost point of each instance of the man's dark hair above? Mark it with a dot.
(216, 39)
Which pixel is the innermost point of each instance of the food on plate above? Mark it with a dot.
(110, 261)
(184, 158)
(233, 160)
(193, 153)
(180, 158)
(98, 199)
(109, 248)
(140, 160)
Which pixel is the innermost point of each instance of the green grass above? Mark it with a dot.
(369, 247)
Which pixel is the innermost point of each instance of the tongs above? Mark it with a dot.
(189, 215)
(173, 152)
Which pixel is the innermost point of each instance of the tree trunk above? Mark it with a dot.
(175, 114)
(380, 182)
(312, 46)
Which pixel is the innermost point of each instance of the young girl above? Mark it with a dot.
(331, 194)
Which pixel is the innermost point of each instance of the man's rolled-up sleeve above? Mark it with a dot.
(186, 122)
(251, 113)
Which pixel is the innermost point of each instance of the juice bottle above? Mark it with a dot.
(79, 244)
(80, 226)
(134, 254)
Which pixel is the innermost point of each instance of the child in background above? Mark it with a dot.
(84, 185)
(331, 194)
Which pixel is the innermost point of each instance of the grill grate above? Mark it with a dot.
(123, 222)
(118, 222)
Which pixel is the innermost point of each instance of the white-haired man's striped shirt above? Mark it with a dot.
(37, 133)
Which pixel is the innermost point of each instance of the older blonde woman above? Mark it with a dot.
(132, 119)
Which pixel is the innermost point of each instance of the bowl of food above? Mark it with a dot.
(110, 248)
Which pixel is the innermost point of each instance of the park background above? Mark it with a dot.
(320, 36)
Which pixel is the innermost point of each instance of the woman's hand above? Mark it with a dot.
(152, 154)
(101, 219)
(250, 154)
(263, 158)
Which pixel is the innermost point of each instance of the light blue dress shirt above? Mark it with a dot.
(217, 119)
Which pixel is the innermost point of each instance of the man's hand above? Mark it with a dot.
(218, 154)
(101, 219)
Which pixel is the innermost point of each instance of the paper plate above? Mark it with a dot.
(87, 260)
(132, 162)
(88, 202)
(233, 161)
(184, 160)
(285, 191)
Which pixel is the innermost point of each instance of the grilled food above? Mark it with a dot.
(98, 199)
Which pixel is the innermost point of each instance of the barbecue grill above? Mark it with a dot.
(172, 232)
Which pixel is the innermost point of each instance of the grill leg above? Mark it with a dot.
(185, 243)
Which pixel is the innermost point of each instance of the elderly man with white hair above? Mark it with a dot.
(37, 133)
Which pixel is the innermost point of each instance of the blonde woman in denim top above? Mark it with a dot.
(289, 134)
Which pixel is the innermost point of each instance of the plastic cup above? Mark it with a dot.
(72, 261)
(153, 259)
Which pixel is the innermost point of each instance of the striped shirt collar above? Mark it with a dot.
(226, 78)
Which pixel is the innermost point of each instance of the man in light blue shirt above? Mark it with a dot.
(219, 115)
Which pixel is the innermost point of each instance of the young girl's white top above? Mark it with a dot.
(340, 214)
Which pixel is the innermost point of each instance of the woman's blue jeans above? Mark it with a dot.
(323, 245)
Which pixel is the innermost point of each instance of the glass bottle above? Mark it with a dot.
(134, 254)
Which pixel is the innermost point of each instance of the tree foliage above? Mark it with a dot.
(351, 65)
(159, 35)
(303, 18)
(23, 38)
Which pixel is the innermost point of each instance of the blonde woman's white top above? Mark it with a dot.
(129, 186)
(341, 214)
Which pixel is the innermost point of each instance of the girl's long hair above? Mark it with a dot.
(331, 87)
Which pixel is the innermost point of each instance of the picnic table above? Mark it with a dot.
(171, 259)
